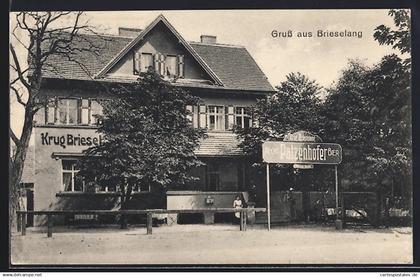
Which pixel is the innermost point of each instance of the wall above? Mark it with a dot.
(185, 200)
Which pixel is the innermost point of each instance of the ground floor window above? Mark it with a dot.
(70, 180)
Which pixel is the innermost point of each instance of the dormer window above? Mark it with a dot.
(165, 65)
(171, 68)
(146, 62)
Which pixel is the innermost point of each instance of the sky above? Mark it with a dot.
(320, 58)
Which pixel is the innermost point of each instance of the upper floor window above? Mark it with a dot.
(219, 118)
(72, 111)
(242, 117)
(216, 118)
(165, 65)
(171, 68)
(146, 62)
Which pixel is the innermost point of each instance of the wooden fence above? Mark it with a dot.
(21, 215)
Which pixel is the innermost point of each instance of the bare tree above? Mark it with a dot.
(49, 33)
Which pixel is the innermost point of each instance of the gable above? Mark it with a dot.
(157, 41)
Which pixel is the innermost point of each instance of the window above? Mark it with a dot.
(171, 66)
(67, 111)
(70, 181)
(72, 111)
(242, 118)
(146, 62)
(216, 118)
(165, 65)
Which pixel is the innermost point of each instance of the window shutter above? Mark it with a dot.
(181, 66)
(157, 63)
(96, 109)
(162, 65)
(202, 116)
(51, 111)
(190, 115)
(84, 111)
(254, 121)
(136, 63)
(230, 117)
(195, 116)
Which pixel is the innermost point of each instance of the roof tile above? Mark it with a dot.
(219, 144)
(233, 65)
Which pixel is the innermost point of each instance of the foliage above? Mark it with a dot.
(291, 108)
(148, 139)
(369, 114)
(294, 106)
(401, 37)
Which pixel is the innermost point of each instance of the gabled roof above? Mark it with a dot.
(233, 65)
(142, 34)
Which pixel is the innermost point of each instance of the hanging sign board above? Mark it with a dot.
(303, 166)
(302, 136)
(301, 152)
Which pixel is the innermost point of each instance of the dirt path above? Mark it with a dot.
(216, 244)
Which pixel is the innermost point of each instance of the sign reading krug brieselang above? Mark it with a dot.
(70, 140)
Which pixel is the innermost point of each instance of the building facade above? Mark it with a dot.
(225, 77)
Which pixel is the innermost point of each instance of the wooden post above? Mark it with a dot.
(50, 225)
(338, 221)
(149, 223)
(23, 227)
(336, 190)
(241, 221)
(19, 221)
(268, 198)
(245, 215)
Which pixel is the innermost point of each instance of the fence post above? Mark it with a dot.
(241, 221)
(245, 217)
(149, 223)
(23, 227)
(19, 221)
(50, 225)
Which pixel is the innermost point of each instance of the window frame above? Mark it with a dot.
(67, 111)
(73, 171)
(243, 115)
(165, 63)
(143, 54)
(216, 114)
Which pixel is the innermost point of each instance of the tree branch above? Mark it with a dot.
(18, 69)
(14, 137)
(18, 96)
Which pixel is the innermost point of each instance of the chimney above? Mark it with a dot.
(128, 32)
(208, 39)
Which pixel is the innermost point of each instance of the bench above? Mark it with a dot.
(21, 215)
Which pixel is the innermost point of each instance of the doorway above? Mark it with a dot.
(27, 198)
(213, 177)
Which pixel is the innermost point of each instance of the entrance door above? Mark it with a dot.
(30, 207)
(213, 177)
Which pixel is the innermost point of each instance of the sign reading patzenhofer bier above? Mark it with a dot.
(301, 152)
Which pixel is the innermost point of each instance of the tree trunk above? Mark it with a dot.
(18, 162)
